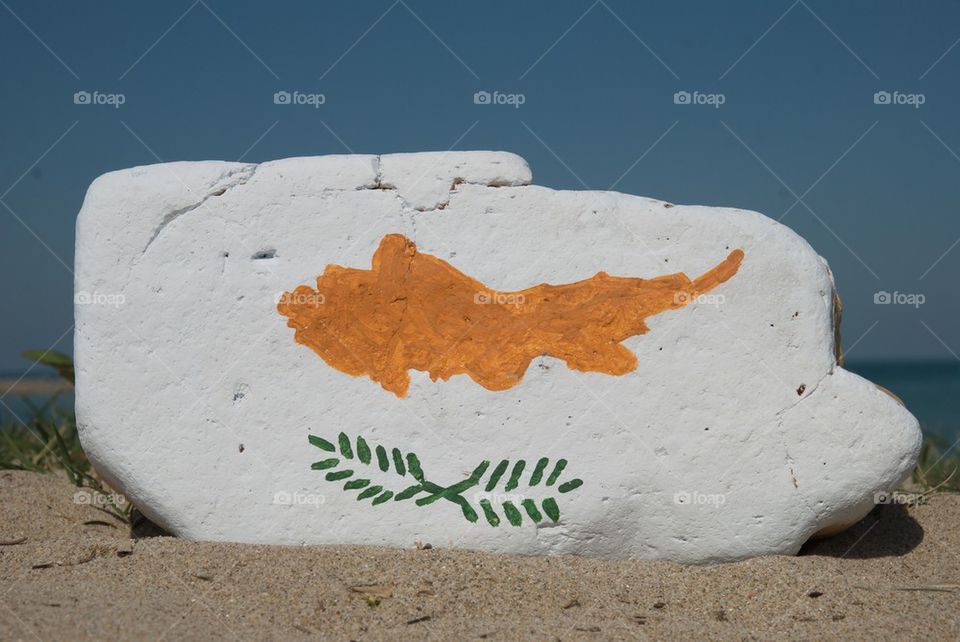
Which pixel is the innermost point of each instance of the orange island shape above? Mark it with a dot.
(414, 310)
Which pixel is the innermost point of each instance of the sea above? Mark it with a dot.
(930, 390)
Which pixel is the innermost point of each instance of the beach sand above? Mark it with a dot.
(69, 571)
(33, 386)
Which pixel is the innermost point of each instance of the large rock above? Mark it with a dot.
(425, 347)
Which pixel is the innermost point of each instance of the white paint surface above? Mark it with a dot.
(706, 452)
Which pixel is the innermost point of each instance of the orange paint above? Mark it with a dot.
(414, 310)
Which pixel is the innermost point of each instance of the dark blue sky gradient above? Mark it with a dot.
(800, 99)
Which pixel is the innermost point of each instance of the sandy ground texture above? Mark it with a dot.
(30, 386)
(69, 571)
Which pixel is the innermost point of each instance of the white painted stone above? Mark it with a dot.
(425, 181)
(194, 399)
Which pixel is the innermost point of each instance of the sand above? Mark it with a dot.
(33, 386)
(69, 571)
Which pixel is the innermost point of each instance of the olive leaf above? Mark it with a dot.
(345, 453)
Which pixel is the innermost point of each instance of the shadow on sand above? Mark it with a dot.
(887, 531)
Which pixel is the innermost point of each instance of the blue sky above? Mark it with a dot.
(873, 187)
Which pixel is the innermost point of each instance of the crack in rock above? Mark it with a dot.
(229, 181)
(788, 458)
(378, 178)
(439, 205)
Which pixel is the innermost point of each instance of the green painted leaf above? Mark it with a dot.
(513, 515)
(408, 492)
(382, 460)
(531, 507)
(345, 448)
(435, 492)
(323, 465)
(515, 475)
(551, 509)
(557, 469)
(398, 462)
(370, 492)
(413, 463)
(491, 516)
(321, 443)
(354, 484)
(497, 474)
(363, 450)
(538, 471)
(468, 512)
